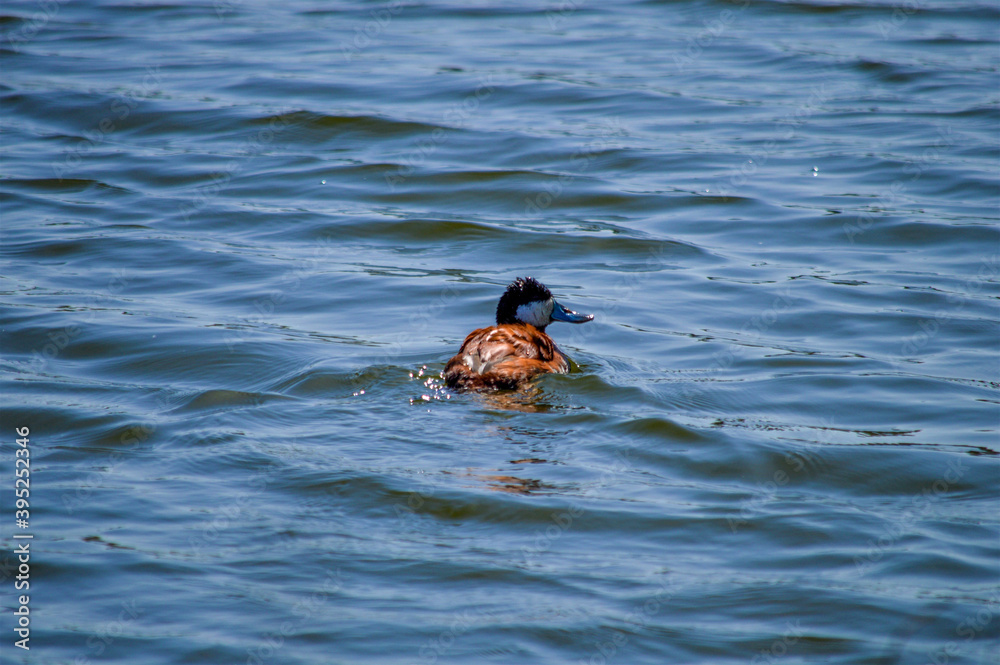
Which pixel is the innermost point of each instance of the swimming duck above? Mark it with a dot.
(516, 349)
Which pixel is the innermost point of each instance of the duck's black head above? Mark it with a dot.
(527, 300)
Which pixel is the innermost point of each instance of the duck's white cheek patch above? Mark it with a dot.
(537, 313)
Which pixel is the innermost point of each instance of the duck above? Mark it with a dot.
(513, 352)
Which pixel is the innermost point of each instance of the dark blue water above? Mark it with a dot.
(241, 239)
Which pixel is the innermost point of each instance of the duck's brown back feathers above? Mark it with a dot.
(504, 356)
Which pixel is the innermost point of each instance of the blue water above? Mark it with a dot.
(241, 238)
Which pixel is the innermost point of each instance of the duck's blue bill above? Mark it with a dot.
(560, 313)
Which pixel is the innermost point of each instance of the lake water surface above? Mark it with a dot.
(241, 238)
